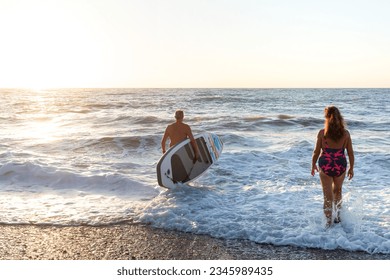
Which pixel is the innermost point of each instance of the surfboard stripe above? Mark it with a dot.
(203, 150)
(179, 173)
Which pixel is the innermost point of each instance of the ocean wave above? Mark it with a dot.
(144, 120)
(300, 121)
(209, 98)
(255, 122)
(33, 193)
(36, 177)
(130, 143)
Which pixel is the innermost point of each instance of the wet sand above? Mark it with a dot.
(139, 242)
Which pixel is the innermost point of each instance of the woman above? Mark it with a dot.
(333, 140)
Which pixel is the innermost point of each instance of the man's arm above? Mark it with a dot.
(164, 140)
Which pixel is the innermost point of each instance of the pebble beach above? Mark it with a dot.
(140, 242)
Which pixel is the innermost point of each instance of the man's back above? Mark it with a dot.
(178, 132)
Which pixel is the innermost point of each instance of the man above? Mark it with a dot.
(177, 132)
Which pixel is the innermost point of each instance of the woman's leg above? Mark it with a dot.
(337, 194)
(327, 189)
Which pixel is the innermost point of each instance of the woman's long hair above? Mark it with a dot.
(334, 123)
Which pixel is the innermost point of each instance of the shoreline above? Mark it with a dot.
(141, 242)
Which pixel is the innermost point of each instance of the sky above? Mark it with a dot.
(194, 43)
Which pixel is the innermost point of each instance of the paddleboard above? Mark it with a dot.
(177, 164)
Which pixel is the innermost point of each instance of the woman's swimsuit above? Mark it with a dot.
(332, 161)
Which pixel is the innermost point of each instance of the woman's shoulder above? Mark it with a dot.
(321, 133)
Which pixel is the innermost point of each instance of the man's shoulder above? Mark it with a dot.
(171, 125)
(180, 125)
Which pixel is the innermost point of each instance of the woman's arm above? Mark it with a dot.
(316, 153)
(351, 157)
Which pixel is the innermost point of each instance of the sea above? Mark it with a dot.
(72, 157)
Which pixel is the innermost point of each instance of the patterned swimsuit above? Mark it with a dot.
(332, 161)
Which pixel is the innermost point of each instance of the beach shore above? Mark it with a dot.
(140, 242)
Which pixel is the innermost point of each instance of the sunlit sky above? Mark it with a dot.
(194, 43)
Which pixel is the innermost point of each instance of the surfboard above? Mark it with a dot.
(177, 164)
